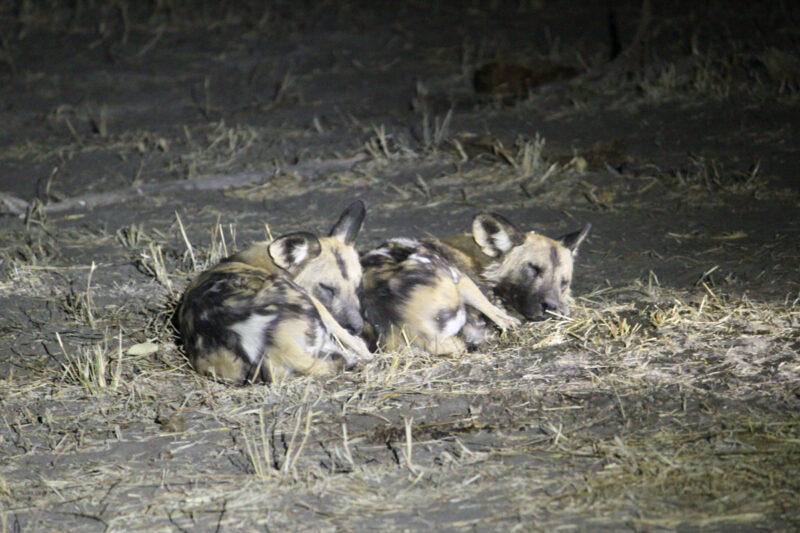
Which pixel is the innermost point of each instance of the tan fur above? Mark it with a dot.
(467, 252)
(472, 296)
(222, 364)
(256, 256)
(258, 314)
(423, 304)
(289, 354)
(320, 269)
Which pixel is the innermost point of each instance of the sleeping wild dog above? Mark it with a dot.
(290, 305)
(437, 294)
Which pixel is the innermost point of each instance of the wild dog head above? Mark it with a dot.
(327, 267)
(530, 272)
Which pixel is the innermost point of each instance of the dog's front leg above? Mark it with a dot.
(349, 340)
(472, 296)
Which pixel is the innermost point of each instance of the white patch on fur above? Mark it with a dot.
(299, 253)
(419, 259)
(501, 241)
(408, 243)
(455, 275)
(378, 252)
(251, 335)
(454, 325)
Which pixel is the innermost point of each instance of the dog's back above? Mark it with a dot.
(410, 296)
(419, 291)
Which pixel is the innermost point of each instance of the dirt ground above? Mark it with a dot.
(142, 141)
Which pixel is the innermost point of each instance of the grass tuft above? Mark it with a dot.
(92, 368)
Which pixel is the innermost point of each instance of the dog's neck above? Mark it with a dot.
(469, 254)
(256, 255)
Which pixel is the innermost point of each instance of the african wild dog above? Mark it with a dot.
(419, 290)
(290, 305)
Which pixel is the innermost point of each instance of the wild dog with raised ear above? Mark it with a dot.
(436, 293)
(290, 305)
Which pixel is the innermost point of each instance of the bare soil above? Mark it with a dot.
(141, 142)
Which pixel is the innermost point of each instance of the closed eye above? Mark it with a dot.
(564, 284)
(533, 269)
(328, 291)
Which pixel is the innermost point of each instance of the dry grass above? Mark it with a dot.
(93, 368)
(708, 176)
(222, 149)
(125, 144)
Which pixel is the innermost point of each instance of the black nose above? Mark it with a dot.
(548, 306)
(354, 330)
(355, 325)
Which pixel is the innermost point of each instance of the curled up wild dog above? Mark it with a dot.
(290, 305)
(438, 294)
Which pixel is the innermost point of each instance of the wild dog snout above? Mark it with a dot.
(352, 321)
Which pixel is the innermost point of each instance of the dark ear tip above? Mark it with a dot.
(350, 221)
(574, 239)
(357, 207)
(496, 217)
(484, 214)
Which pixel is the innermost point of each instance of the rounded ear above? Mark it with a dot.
(291, 251)
(573, 240)
(349, 224)
(494, 234)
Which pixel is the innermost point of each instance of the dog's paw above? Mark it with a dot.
(505, 321)
(361, 350)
